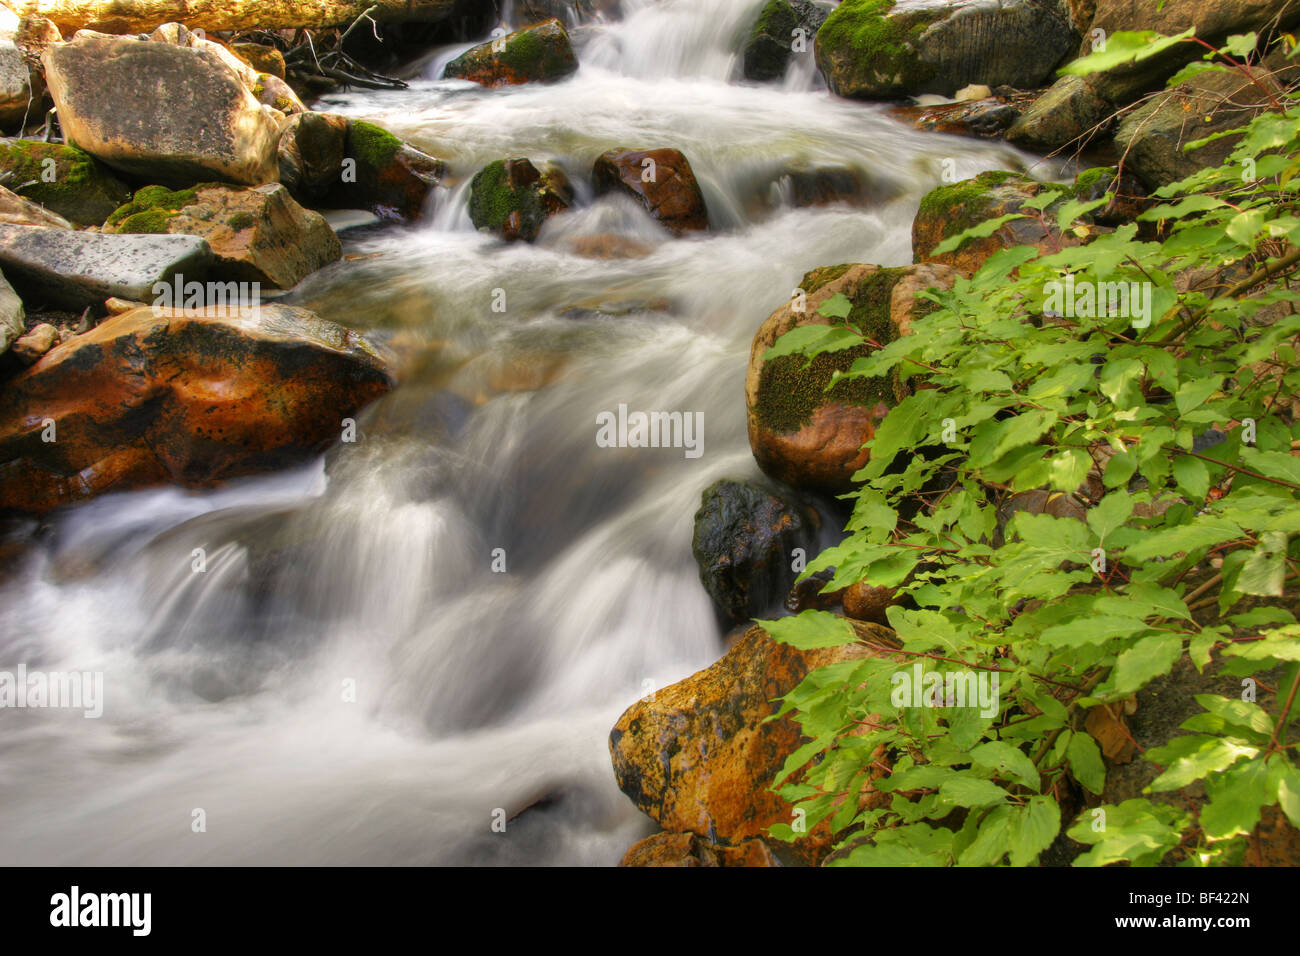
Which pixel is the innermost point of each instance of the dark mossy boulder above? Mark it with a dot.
(954, 208)
(65, 180)
(310, 154)
(535, 54)
(1128, 197)
(512, 198)
(771, 40)
(880, 49)
(802, 434)
(745, 535)
(383, 174)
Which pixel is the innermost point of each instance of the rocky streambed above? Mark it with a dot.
(300, 415)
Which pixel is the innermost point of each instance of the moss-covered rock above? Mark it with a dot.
(951, 209)
(381, 173)
(771, 40)
(512, 198)
(257, 235)
(537, 53)
(1069, 113)
(802, 433)
(66, 180)
(878, 49)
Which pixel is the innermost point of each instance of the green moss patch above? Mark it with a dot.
(150, 209)
(64, 179)
(880, 49)
(371, 145)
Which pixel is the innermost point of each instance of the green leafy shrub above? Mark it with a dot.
(1181, 546)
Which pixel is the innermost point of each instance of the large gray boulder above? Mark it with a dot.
(879, 49)
(177, 115)
(75, 269)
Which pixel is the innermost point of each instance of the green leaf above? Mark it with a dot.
(1003, 758)
(1122, 47)
(1194, 392)
(1147, 659)
(1033, 829)
(1085, 762)
(1235, 800)
(1192, 476)
(810, 629)
(837, 306)
(980, 231)
(1188, 759)
(1111, 513)
(967, 791)
(811, 340)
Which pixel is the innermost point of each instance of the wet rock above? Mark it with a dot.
(538, 53)
(700, 757)
(808, 184)
(745, 536)
(608, 245)
(1153, 135)
(77, 269)
(661, 180)
(690, 849)
(310, 155)
(13, 319)
(951, 209)
(257, 234)
(1038, 501)
(16, 210)
(876, 49)
(807, 594)
(801, 434)
(864, 601)
(985, 118)
(1065, 115)
(179, 396)
(512, 198)
(387, 176)
(771, 40)
(178, 115)
(65, 180)
(30, 346)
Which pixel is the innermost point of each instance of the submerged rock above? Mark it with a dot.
(661, 180)
(512, 198)
(879, 49)
(66, 180)
(700, 757)
(257, 234)
(801, 434)
(75, 269)
(181, 396)
(177, 115)
(745, 536)
(537, 53)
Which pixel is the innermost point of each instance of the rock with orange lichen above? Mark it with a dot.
(180, 396)
(700, 757)
(690, 849)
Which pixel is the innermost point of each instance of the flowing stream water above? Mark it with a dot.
(348, 680)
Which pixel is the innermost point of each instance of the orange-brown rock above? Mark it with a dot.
(698, 755)
(690, 849)
(800, 433)
(868, 602)
(181, 396)
(661, 180)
